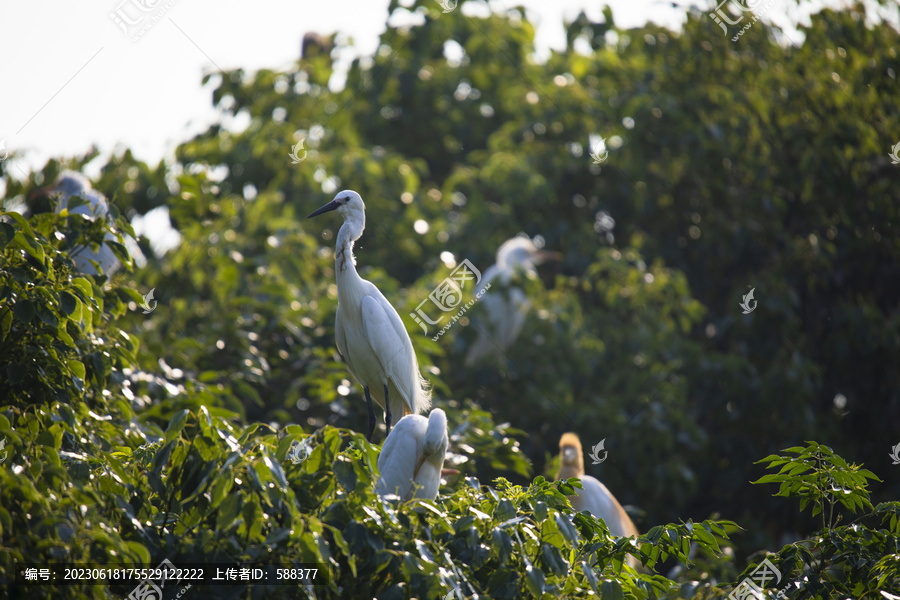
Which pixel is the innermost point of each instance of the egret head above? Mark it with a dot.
(70, 183)
(436, 434)
(521, 251)
(570, 451)
(434, 446)
(347, 202)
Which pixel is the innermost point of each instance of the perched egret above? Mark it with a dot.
(368, 331)
(72, 183)
(504, 308)
(594, 497)
(412, 457)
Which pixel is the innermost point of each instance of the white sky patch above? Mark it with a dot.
(157, 228)
(109, 91)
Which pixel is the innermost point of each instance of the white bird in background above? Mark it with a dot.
(412, 457)
(72, 183)
(368, 331)
(504, 307)
(594, 497)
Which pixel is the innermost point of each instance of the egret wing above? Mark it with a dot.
(399, 454)
(487, 278)
(340, 337)
(388, 338)
(600, 502)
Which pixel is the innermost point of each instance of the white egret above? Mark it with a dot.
(594, 497)
(504, 307)
(412, 458)
(73, 183)
(368, 331)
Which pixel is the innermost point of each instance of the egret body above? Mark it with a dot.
(504, 307)
(368, 331)
(594, 497)
(412, 457)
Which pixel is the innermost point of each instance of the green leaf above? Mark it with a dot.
(68, 303)
(277, 472)
(77, 367)
(346, 475)
(84, 287)
(24, 310)
(534, 580)
(501, 545)
(505, 510)
(47, 316)
(566, 528)
(553, 560)
(120, 251)
(611, 590)
(7, 232)
(29, 245)
(176, 424)
(161, 458)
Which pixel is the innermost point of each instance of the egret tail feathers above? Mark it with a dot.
(422, 396)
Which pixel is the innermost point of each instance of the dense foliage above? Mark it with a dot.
(133, 437)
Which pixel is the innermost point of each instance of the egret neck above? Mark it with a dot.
(350, 231)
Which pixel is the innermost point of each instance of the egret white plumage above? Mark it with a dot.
(594, 497)
(503, 308)
(412, 457)
(73, 183)
(368, 331)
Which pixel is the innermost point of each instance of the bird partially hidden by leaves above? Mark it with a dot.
(92, 205)
(412, 459)
(502, 310)
(594, 497)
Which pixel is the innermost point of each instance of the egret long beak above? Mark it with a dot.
(327, 208)
(545, 255)
(43, 192)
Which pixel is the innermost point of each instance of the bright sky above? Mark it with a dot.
(73, 78)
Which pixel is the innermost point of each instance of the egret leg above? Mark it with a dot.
(371, 414)
(387, 410)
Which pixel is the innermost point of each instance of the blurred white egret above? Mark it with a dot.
(412, 457)
(368, 331)
(503, 308)
(594, 498)
(72, 183)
